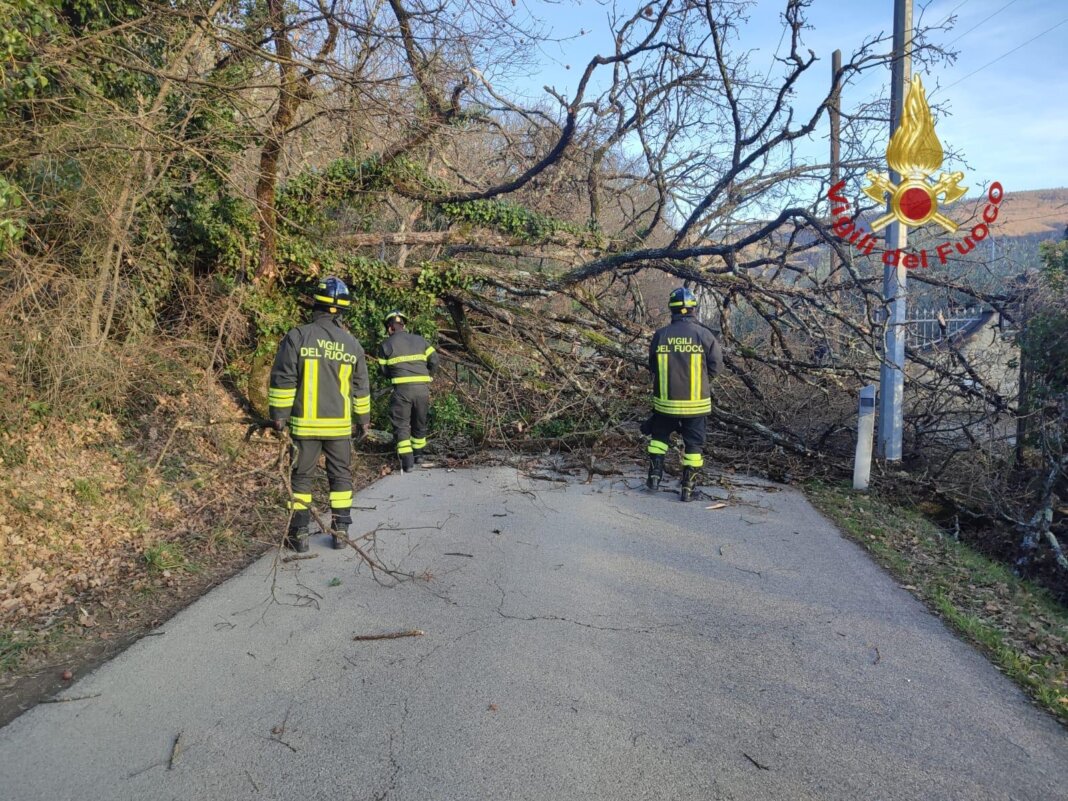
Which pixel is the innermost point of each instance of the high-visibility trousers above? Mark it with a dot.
(692, 430)
(305, 458)
(408, 412)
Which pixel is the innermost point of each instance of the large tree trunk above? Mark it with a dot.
(288, 102)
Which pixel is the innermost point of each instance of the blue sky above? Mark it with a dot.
(1009, 119)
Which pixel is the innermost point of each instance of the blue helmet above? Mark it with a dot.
(681, 300)
(331, 291)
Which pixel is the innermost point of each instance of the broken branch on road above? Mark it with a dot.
(393, 635)
(67, 700)
(176, 751)
(759, 765)
(298, 557)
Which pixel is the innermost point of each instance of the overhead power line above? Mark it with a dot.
(1006, 55)
(978, 24)
(951, 13)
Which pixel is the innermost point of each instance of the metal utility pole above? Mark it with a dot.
(892, 374)
(836, 117)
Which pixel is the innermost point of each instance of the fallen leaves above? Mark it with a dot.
(80, 504)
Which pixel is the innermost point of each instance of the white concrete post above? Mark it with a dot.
(865, 433)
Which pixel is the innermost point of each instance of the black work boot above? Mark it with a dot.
(656, 472)
(689, 483)
(339, 527)
(407, 462)
(297, 540)
(417, 458)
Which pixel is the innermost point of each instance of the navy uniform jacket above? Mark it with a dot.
(319, 381)
(683, 356)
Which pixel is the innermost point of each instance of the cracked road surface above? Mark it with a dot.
(581, 642)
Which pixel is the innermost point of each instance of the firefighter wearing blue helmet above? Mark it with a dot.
(319, 386)
(683, 358)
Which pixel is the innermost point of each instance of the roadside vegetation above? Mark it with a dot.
(1017, 623)
(173, 176)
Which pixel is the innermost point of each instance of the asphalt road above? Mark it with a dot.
(581, 642)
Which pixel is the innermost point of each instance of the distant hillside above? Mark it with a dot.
(1026, 219)
(1041, 212)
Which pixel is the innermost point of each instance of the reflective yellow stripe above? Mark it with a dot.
(413, 379)
(345, 373)
(311, 390)
(428, 351)
(695, 376)
(341, 500)
(363, 405)
(341, 432)
(683, 407)
(657, 448)
(331, 301)
(418, 442)
(300, 501)
(404, 446)
(693, 460)
(321, 422)
(321, 427)
(662, 363)
(277, 396)
(414, 357)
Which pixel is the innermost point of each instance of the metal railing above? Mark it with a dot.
(929, 326)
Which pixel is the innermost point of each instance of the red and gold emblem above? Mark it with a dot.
(915, 154)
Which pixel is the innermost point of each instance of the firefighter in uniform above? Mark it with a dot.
(683, 357)
(319, 385)
(409, 362)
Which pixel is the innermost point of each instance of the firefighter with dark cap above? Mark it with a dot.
(319, 385)
(409, 362)
(683, 358)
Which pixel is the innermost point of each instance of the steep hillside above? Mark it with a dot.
(1039, 212)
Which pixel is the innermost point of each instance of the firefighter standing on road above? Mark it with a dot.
(683, 357)
(319, 385)
(409, 362)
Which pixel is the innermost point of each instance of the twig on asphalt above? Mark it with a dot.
(375, 566)
(298, 557)
(65, 700)
(761, 767)
(393, 635)
(281, 742)
(176, 751)
(747, 570)
(278, 731)
(457, 553)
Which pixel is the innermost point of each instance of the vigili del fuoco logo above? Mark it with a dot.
(915, 154)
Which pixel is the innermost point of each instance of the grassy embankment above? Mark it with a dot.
(1019, 626)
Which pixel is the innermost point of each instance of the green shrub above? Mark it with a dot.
(451, 418)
